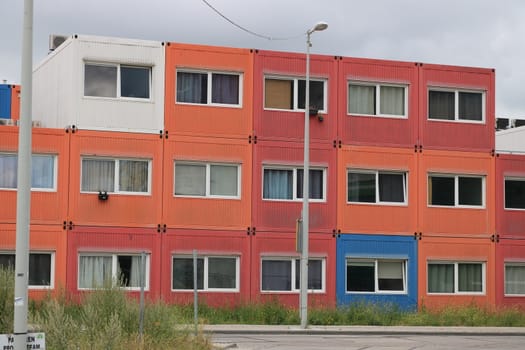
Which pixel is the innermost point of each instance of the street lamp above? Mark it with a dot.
(306, 182)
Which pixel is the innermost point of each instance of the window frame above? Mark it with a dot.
(294, 170)
(51, 267)
(116, 177)
(208, 166)
(511, 178)
(456, 190)
(209, 92)
(456, 276)
(376, 261)
(118, 95)
(205, 282)
(54, 188)
(515, 264)
(114, 268)
(377, 97)
(293, 274)
(456, 104)
(295, 97)
(378, 201)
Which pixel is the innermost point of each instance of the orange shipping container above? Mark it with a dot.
(510, 264)
(15, 102)
(377, 190)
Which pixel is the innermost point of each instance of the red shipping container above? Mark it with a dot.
(278, 204)
(106, 251)
(394, 170)
(47, 261)
(510, 261)
(377, 124)
(463, 109)
(510, 218)
(15, 102)
(219, 253)
(206, 202)
(471, 260)
(275, 269)
(117, 161)
(50, 181)
(216, 116)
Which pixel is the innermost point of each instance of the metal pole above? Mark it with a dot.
(24, 184)
(142, 287)
(195, 298)
(306, 193)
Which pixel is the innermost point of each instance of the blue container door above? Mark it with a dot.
(5, 101)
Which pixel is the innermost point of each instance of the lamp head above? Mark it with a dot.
(319, 26)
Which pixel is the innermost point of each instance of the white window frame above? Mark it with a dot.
(292, 261)
(378, 86)
(116, 182)
(295, 80)
(456, 104)
(208, 179)
(511, 263)
(511, 178)
(456, 276)
(294, 170)
(209, 91)
(36, 189)
(119, 82)
(114, 268)
(206, 272)
(456, 190)
(376, 261)
(377, 172)
(51, 267)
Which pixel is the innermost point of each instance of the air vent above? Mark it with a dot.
(56, 40)
(10, 122)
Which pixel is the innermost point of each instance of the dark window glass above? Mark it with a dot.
(315, 185)
(192, 87)
(470, 191)
(470, 106)
(225, 88)
(100, 81)
(441, 191)
(391, 187)
(183, 273)
(360, 277)
(222, 272)
(316, 94)
(361, 187)
(39, 267)
(441, 278)
(315, 274)
(134, 82)
(441, 105)
(515, 194)
(276, 275)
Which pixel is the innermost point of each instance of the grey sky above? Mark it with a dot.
(478, 33)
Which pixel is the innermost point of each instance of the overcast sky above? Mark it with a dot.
(478, 33)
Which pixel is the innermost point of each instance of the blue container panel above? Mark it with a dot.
(377, 247)
(5, 101)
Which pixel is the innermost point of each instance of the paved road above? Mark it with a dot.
(367, 338)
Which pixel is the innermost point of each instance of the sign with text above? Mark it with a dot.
(34, 341)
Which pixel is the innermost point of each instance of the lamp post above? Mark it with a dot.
(306, 182)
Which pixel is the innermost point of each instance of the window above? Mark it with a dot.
(456, 190)
(444, 104)
(99, 270)
(116, 175)
(211, 88)
(515, 279)
(287, 184)
(283, 275)
(41, 266)
(197, 179)
(290, 94)
(514, 193)
(377, 99)
(43, 171)
(219, 273)
(375, 276)
(115, 81)
(456, 277)
(377, 187)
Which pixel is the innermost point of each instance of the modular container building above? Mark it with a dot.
(47, 257)
(207, 183)
(275, 268)
(377, 190)
(378, 102)
(510, 195)
(456, 108)
(5, 101)
(101, 83)
(223, 266)
(378, 269)
(101, 255)
(49, 178)
(115, 179)
(279, 96)
(510, 272)
(277, 186)
(209, 91)
(456, 193)
(456, 271)
(15, 102)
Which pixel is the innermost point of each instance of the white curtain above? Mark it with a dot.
(94, 271)
(42, 171)
(361, 99)
(223, 180)
(134, 278)
(515, 279)
(8, 170)
(392, 100)
(98, 175)
(190, 179)
(133, 175)
(278, 184)
(192, 87)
